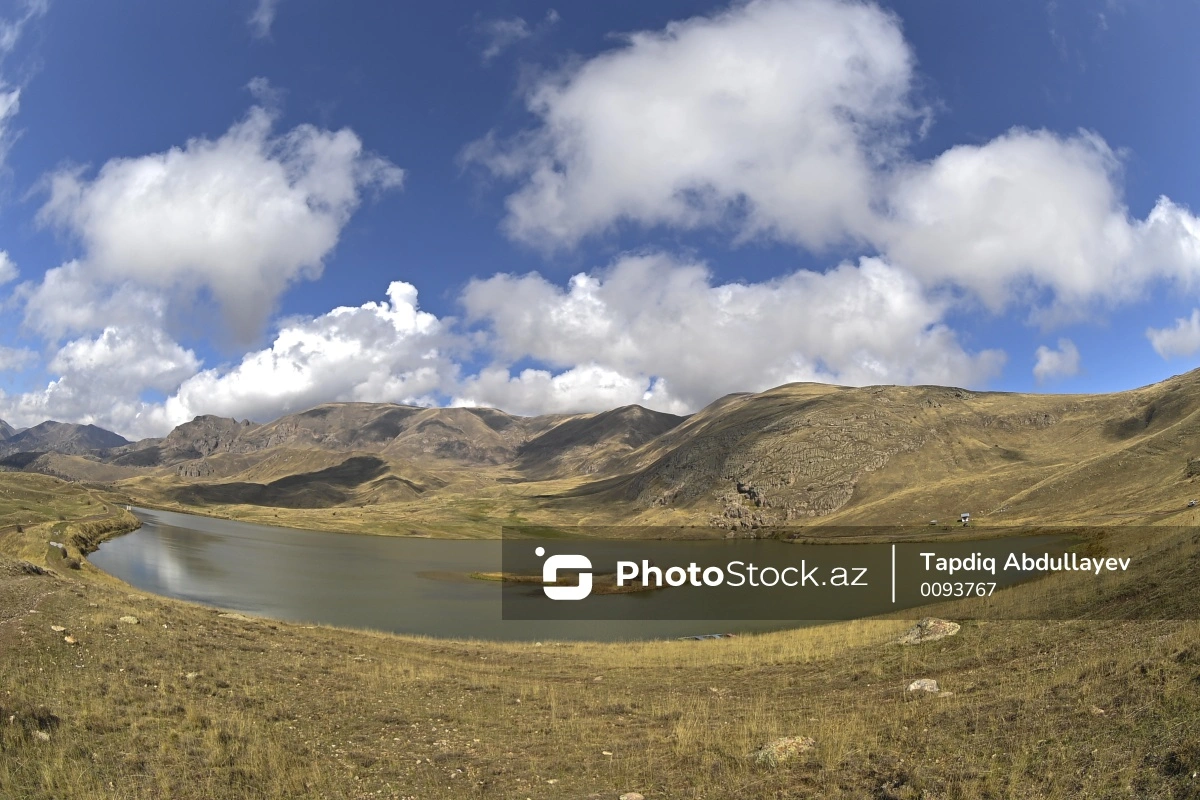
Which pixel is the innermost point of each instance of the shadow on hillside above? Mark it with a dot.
(321, 489)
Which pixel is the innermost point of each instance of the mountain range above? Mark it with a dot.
(796, 454)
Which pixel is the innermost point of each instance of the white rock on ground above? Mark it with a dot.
(928, 630)
(924, 685)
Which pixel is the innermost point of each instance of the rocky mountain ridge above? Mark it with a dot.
(786, 456)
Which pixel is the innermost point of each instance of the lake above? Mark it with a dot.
(402, 585)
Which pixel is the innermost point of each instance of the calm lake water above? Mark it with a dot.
(402, 585)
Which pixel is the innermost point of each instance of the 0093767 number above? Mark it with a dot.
(948, 589)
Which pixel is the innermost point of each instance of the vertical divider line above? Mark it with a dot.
(893, 573)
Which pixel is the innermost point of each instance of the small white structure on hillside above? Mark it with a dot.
(965, 518)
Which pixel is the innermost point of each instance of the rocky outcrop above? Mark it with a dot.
(194, 469)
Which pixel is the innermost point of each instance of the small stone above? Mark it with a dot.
(129, 620)
(234, 615)
(70, 640)
(191, 676)
(924, 685)
(57, 628)
(606, 752)
(41, 736)
(597, 679)
(633, 796)
(1098, 711)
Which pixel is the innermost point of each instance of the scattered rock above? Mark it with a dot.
(191, 676)
(928, 630)
(41, 736)
(129, 620)
(924, 685)
(235, 615)
(1098, 711)
(19, 568)
(777, 751)
(57, 628)
(70, 640)
(633, 796)
(597, 679)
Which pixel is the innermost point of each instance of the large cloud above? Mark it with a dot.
(240, 217)
(101, 380)
(1031, 211)
(785, 119)
(379, 351)
(776, 110)
(376, 352)
(651, 329)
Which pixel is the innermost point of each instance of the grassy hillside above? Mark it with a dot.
(186, 703)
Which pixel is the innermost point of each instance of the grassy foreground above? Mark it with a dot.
(187, 703)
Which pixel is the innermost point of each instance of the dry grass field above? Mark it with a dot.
(187, 703)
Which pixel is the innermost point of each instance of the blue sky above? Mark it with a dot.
(247, 208)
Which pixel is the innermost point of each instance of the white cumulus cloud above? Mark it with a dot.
(377, 352)
(1182, 339)
(789, 120)
(386, 351)
(100, 380)
(1032, 211)
(588, 387)
(1062, 362)
(241, 216)
(776, 111)
(655, 330)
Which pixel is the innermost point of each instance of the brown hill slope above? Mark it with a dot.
(592, 443)
(910, 454)
(794, 455)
